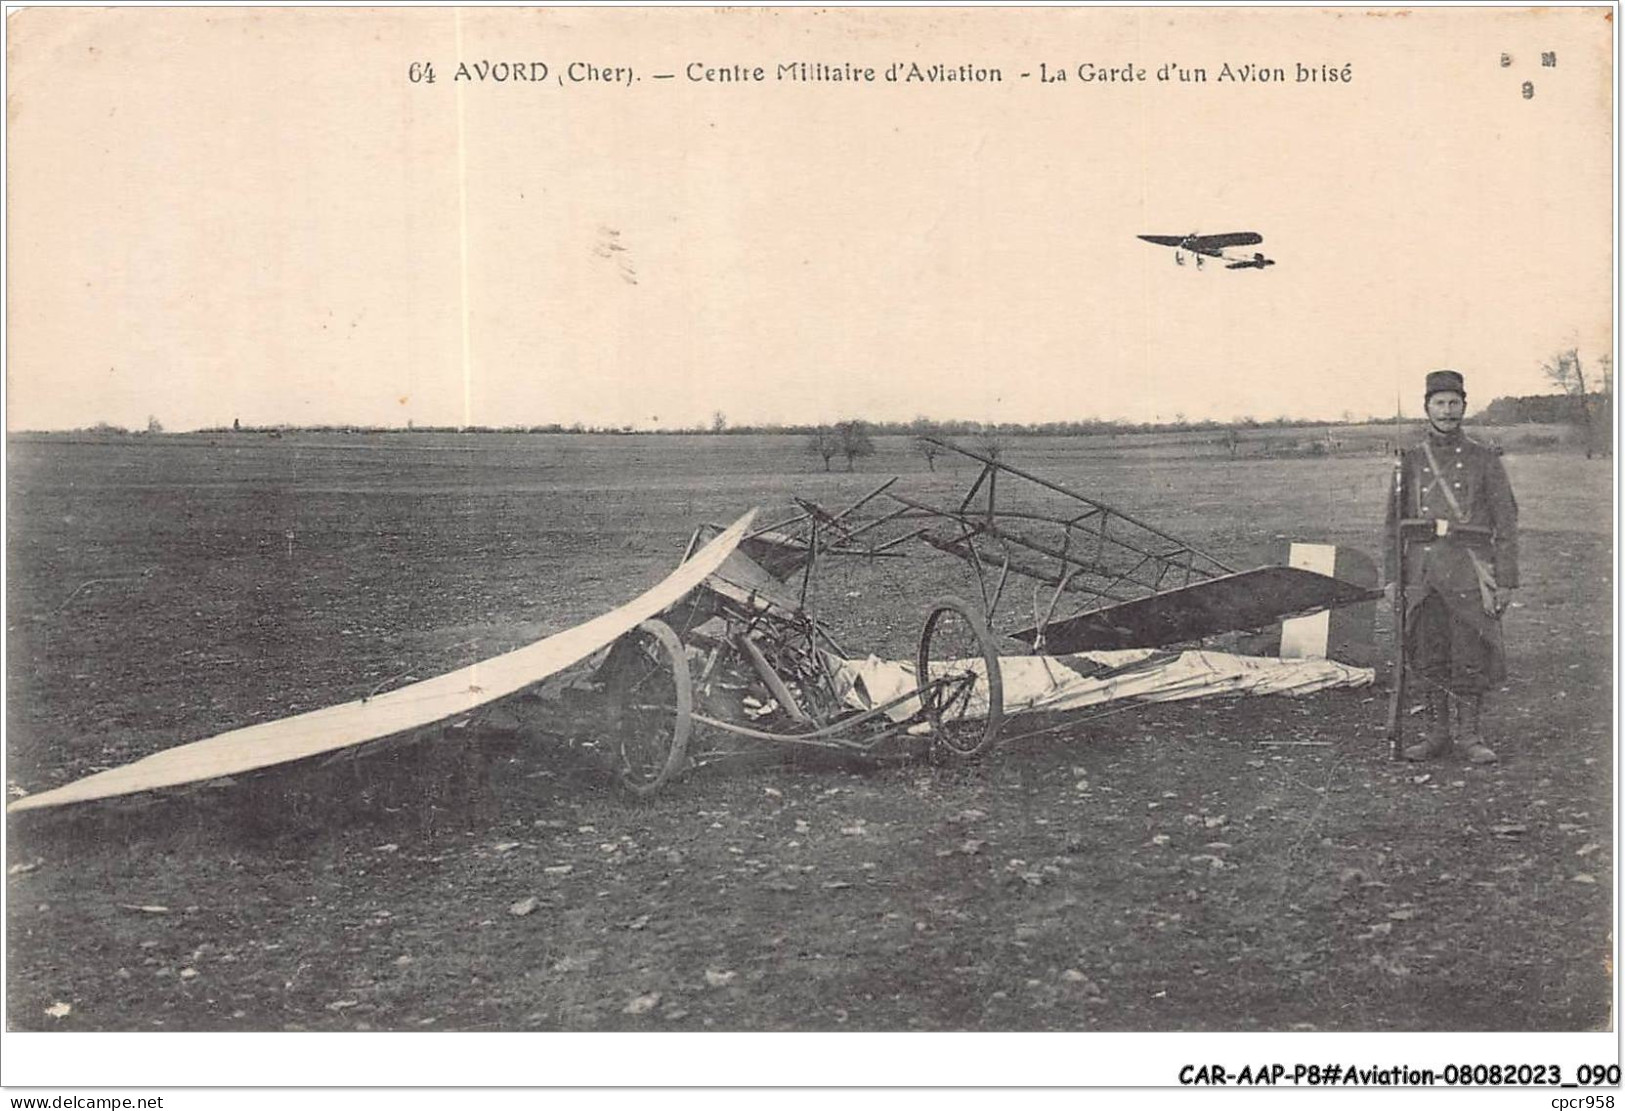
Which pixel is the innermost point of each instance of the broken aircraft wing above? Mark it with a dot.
(397, 711)
(1244, 600)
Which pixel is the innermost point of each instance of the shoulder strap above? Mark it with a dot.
(1439, 481)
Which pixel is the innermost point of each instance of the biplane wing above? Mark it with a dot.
(1211, 245)
(1243, 600)
(398, 711)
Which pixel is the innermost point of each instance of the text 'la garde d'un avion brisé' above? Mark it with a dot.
(531, 72)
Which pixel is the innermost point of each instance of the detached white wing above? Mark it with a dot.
(353, 723)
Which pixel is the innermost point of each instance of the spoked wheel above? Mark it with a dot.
(961, 689)
(651, 707)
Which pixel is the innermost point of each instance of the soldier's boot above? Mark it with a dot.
(1471, 708)
(1438, 738)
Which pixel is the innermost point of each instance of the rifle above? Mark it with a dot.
(1396, 694)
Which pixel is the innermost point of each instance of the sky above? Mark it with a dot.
(257, 215)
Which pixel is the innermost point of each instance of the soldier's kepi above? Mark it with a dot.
(1454, 512)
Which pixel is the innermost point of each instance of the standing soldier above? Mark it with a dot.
(1455, 513)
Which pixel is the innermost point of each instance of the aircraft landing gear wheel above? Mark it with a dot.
(651, 708)
(961, 688)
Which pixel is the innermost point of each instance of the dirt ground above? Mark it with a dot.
(1253, 864)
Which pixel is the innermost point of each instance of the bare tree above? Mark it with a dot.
(719, 422)
(154, 426)
(929, 448)
(853, 437)
(923, 427)
(823, 441)
(1566, 372)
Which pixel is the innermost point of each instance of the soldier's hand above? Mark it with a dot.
(1503, 599)
(1390, 591)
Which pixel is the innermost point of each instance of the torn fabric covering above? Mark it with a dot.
(1043, 684)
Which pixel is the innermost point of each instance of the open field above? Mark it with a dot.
(1226, 865)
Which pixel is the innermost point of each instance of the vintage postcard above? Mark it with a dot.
(549, 522)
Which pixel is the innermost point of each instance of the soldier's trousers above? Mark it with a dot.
(1452, 652)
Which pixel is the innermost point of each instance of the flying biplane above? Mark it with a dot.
(1214, 246)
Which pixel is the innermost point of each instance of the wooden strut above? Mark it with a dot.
(833, 520)
(812, 510)
(1097, 567)
(1059, 489)
(963, 550)
(777, 526)
(775, 684)
(806, 571)
(694, 544)
(828, 731)
(1128, 576)
(876, 523)
(820, 631)
(1066, 559)
(809, 739)
(987, 468)
(967, 539)
(866, 499)
(883, 549)
(864, 553)
(1042, 624)
(919, 511)
(1004, 574)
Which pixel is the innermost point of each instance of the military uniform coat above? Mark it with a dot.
(1452, 566)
